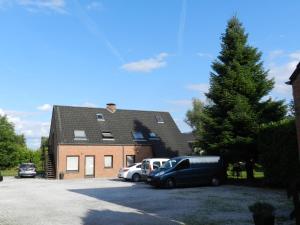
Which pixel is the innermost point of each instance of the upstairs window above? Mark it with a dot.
(79, 135)
(107, 136)
(153, 136)
(138, 136)
(100, 117)
(159, 119)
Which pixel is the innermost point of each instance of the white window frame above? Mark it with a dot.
(68, 169)
(112, 162)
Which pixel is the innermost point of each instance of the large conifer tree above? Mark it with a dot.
(236, 108)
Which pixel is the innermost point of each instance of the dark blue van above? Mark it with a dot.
(188, 170)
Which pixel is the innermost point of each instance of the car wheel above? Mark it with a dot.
(136, 177)
(170, 183)
(215, 181)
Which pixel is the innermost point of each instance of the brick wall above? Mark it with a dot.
(118, 152)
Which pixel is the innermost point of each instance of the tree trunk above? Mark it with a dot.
(249, 170)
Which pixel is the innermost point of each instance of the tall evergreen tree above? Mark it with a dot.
(236, 108)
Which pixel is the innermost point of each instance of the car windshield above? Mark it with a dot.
(25, 166)
(170, 163)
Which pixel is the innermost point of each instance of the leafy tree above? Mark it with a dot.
(231, 120)
(12, 146)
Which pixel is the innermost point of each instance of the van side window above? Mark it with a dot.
(185, 164)
(146, 165)
(156, 165)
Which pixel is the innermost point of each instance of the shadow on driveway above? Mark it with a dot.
(138, 204)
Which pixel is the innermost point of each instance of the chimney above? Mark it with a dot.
(111, 107)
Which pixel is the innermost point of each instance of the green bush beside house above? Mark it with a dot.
(277, 144)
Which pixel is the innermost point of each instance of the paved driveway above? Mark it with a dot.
(105, 202)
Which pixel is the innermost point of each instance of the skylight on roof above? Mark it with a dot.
(100, 117)
(153, 136)
(138, 136)
(107, 136)
(79, 135)
(159, 119)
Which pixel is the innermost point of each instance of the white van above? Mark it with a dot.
(149, 165)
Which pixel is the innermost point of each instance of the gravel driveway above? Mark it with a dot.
(105, 202)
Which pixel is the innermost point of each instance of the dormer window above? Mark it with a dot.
(100, 117)
(153, 136)
(138, 136)
(159, 119)
(79, 135)
(107, 136)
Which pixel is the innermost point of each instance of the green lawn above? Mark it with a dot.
(14, 172)
(258, 172)
(9, 172)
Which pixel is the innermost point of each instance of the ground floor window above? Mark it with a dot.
(130, 160)
(108, 161)
(72, 163)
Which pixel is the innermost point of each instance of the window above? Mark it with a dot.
(107, 136)
(185, 164)
(159, 119)
(153, 136)
(130, 160)
(138, 136)
(108, 161)
(100, 117)
(156, 165)
(79, 135)
(72, 163)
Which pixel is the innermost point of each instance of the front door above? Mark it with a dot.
(89, 166)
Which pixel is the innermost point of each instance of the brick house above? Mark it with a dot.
(295, 82)
(97, 142)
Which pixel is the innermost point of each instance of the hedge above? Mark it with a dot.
(278, 149)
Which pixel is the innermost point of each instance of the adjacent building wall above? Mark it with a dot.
(296, 95)
(118, 152)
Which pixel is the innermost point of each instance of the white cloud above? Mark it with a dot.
(275, 54)
(95, 5)
(281, 71)
(45, 107)
(32, 130)
(202, 87)
(205, 55)
(147, 65)
(36, 5)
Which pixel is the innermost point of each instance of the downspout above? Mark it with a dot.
(122, 155)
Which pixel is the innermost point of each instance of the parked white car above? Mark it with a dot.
(133, 172)
(149, 165)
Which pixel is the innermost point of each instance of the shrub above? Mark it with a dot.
(262, 208)
(277, 144)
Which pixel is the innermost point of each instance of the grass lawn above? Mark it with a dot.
(9, 172)
(14, 172)
(258, 172)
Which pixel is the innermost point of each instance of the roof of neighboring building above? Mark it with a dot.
(120, 124)
(189, 137)
(294, 74)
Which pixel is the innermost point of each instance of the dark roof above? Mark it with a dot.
(294, 74)
(189, 137)
(121, 124)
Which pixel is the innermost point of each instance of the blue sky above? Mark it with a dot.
(151, 55)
